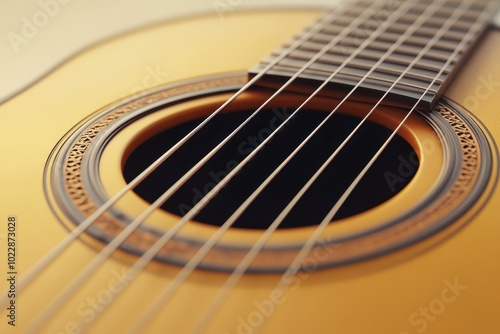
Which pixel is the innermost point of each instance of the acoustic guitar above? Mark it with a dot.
(186, 178)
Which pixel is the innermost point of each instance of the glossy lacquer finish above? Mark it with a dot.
(443, 284)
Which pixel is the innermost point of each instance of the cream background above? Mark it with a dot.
(81, 23)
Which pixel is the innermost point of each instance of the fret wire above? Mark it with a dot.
(424, 64)
(234, 278)
(414, 74)
(403, 56)
(409, 19)
(446, 45)
(320, 65)
(57, 250)
(470, 16)
(445, 12)
(382, 45)
(379, 47)
(297, 263)
(427, 62)
(428, 65)
(409, 84)
(336, 51)
(142, 322)
(392, 35)
(461, 26)
(145, 258)
(377, 77)
(319, 72)
(453, 36)
(415, 41)
(366, 65)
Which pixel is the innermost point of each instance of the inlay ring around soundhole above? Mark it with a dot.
(453, 180)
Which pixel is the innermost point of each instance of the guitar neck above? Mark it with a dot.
(414, 57)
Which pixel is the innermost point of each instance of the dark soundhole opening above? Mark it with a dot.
(390, 174)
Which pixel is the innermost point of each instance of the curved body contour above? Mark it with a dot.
(383, 295)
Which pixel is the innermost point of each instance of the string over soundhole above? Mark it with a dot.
(405, 198)
(393, 171)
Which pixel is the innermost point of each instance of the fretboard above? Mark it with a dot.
(410, 49)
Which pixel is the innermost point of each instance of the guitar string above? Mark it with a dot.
(59, 249)
(332, 213)
(296, 265)
(115, 243)
(196, 259)
(198, 255)
(180, 278)
(246, 262)
(313, 240)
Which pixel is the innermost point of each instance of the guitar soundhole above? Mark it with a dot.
(390, 174)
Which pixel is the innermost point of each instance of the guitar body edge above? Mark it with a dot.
(450, 288)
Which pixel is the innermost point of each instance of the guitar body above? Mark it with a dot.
(447, 283)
